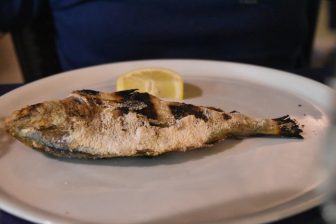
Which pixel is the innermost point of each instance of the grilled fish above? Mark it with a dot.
(92, 124)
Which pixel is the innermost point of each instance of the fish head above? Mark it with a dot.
(30, 122)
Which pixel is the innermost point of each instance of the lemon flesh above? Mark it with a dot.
(159, 82)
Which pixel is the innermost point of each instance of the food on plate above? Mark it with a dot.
(92, 124)
(159, 82)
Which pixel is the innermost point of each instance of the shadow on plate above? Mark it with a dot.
(165, 159)
(191, 91)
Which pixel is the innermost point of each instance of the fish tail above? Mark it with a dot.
(288, 127)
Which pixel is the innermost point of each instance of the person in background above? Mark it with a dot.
(272, 33)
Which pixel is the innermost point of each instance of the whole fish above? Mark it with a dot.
(92, 124)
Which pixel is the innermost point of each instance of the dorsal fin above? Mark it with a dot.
(126, 94)
(87, 92)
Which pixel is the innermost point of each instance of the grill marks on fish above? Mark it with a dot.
(123, 110)
(89, 92)
(226, 116)
(215, 109)
(148, 111)
(181, 110)
(125, 94)
(124, 102)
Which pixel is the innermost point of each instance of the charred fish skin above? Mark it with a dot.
(288, 127)
(90, 124)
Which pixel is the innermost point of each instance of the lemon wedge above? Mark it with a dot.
(159, 82)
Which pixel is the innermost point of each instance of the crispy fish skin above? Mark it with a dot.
(91, 124)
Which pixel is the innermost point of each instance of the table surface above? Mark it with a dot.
(312, 216)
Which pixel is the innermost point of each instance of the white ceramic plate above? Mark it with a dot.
(237, 181)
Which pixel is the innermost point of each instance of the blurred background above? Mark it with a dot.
(324, 45)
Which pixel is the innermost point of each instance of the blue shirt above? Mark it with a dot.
(265, 32)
